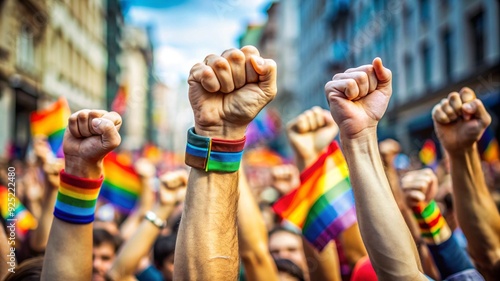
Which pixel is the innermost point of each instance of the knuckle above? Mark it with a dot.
(236, 56)
(220, 64)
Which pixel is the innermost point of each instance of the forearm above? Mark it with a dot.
(252, 236)
(209, 214)
(477, 213)
(322, 265)
(68, 255)
(146, 201)
(4, 251)
(40, 236)
(138, 245)
(384, 232)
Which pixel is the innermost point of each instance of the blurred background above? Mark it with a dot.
(134, 57)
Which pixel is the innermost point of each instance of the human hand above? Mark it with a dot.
(42, 149)
(310, 132)
(91, 134)
(359, 97)
(285, 178)
(173, 187)
(460, 120)
(389, 149)
(51, 170)
(144, 168)
(419, 186)
(227, 92)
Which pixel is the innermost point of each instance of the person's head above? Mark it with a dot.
(288, 271)
(28, 270)
(163, 255)
(286, 244)
(104, 250)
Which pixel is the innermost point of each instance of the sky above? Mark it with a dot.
(185, 31)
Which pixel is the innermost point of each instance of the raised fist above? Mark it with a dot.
(359, 97)
(419, 186)
(227, 91)
(145, 168)
(91, 134)
(173, 187)
(460, 120)
(310, 133)
(285, 178)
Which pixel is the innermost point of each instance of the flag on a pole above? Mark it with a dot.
(12, 209)
(428, 155)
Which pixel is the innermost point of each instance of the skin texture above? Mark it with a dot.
(285, 245)
(90, 135)
(459, 122)
(309, 134)
(226, 92)
(252, 236)
(103, 257)
(173, 185)
(358, 99)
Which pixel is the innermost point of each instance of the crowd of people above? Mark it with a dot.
(206, 222)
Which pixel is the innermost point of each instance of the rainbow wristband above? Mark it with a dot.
(76, 199)
(429, 220)
(212, 154)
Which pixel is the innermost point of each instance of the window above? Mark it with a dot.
(447, 49)
(25, 49)
(427, 64)
(409, 73)
(425, 12)
(477, 36)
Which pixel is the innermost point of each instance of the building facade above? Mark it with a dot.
(432, 48)
(48, 48)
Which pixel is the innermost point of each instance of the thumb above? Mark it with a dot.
(110, 138)
(477, 109)
(266, 69)
(384, 75)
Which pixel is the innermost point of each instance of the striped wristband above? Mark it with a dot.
(76, 199)
(212, 154)
(430, 221)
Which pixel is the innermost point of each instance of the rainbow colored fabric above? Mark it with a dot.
(121, 185)
(51, 123)
(25, 221)
(323, 205)
(429, 219)
(488, 146)
(428, 154)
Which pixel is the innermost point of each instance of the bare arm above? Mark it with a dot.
(89, 137)
(358, 99)
(4, 251)
(252, 236)
(226, 92)
(139, 245)
(460, 121)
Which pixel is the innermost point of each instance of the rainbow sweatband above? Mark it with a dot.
(212, 154)
(76, 199)
(429, 220)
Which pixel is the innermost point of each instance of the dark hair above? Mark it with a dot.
(285, 265)
(29, 270)
(101, 236)
(281, 228)
(164, 247)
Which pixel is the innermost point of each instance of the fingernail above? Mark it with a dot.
(96, 122)
(467, 106)
(259, 60)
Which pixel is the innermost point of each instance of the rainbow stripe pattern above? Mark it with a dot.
(51, 123)
(24, 220)
(429, 220)
(323, 205)
(428, 154)
(76, 199)
(211, 154)
(122, 184)
(488, 145)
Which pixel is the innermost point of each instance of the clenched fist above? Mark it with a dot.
(419, 186)
(227, 91)
(91, 134)
(309, 133)
(460, 120)
(359, 97)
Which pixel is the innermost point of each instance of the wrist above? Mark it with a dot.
(221, 132)
(78, 167)
(462, 151)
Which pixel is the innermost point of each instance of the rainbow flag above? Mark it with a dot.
(121, 185)
(51, 123)
(488, 146)
(323, 205)
(428, 154)
(24, 220)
